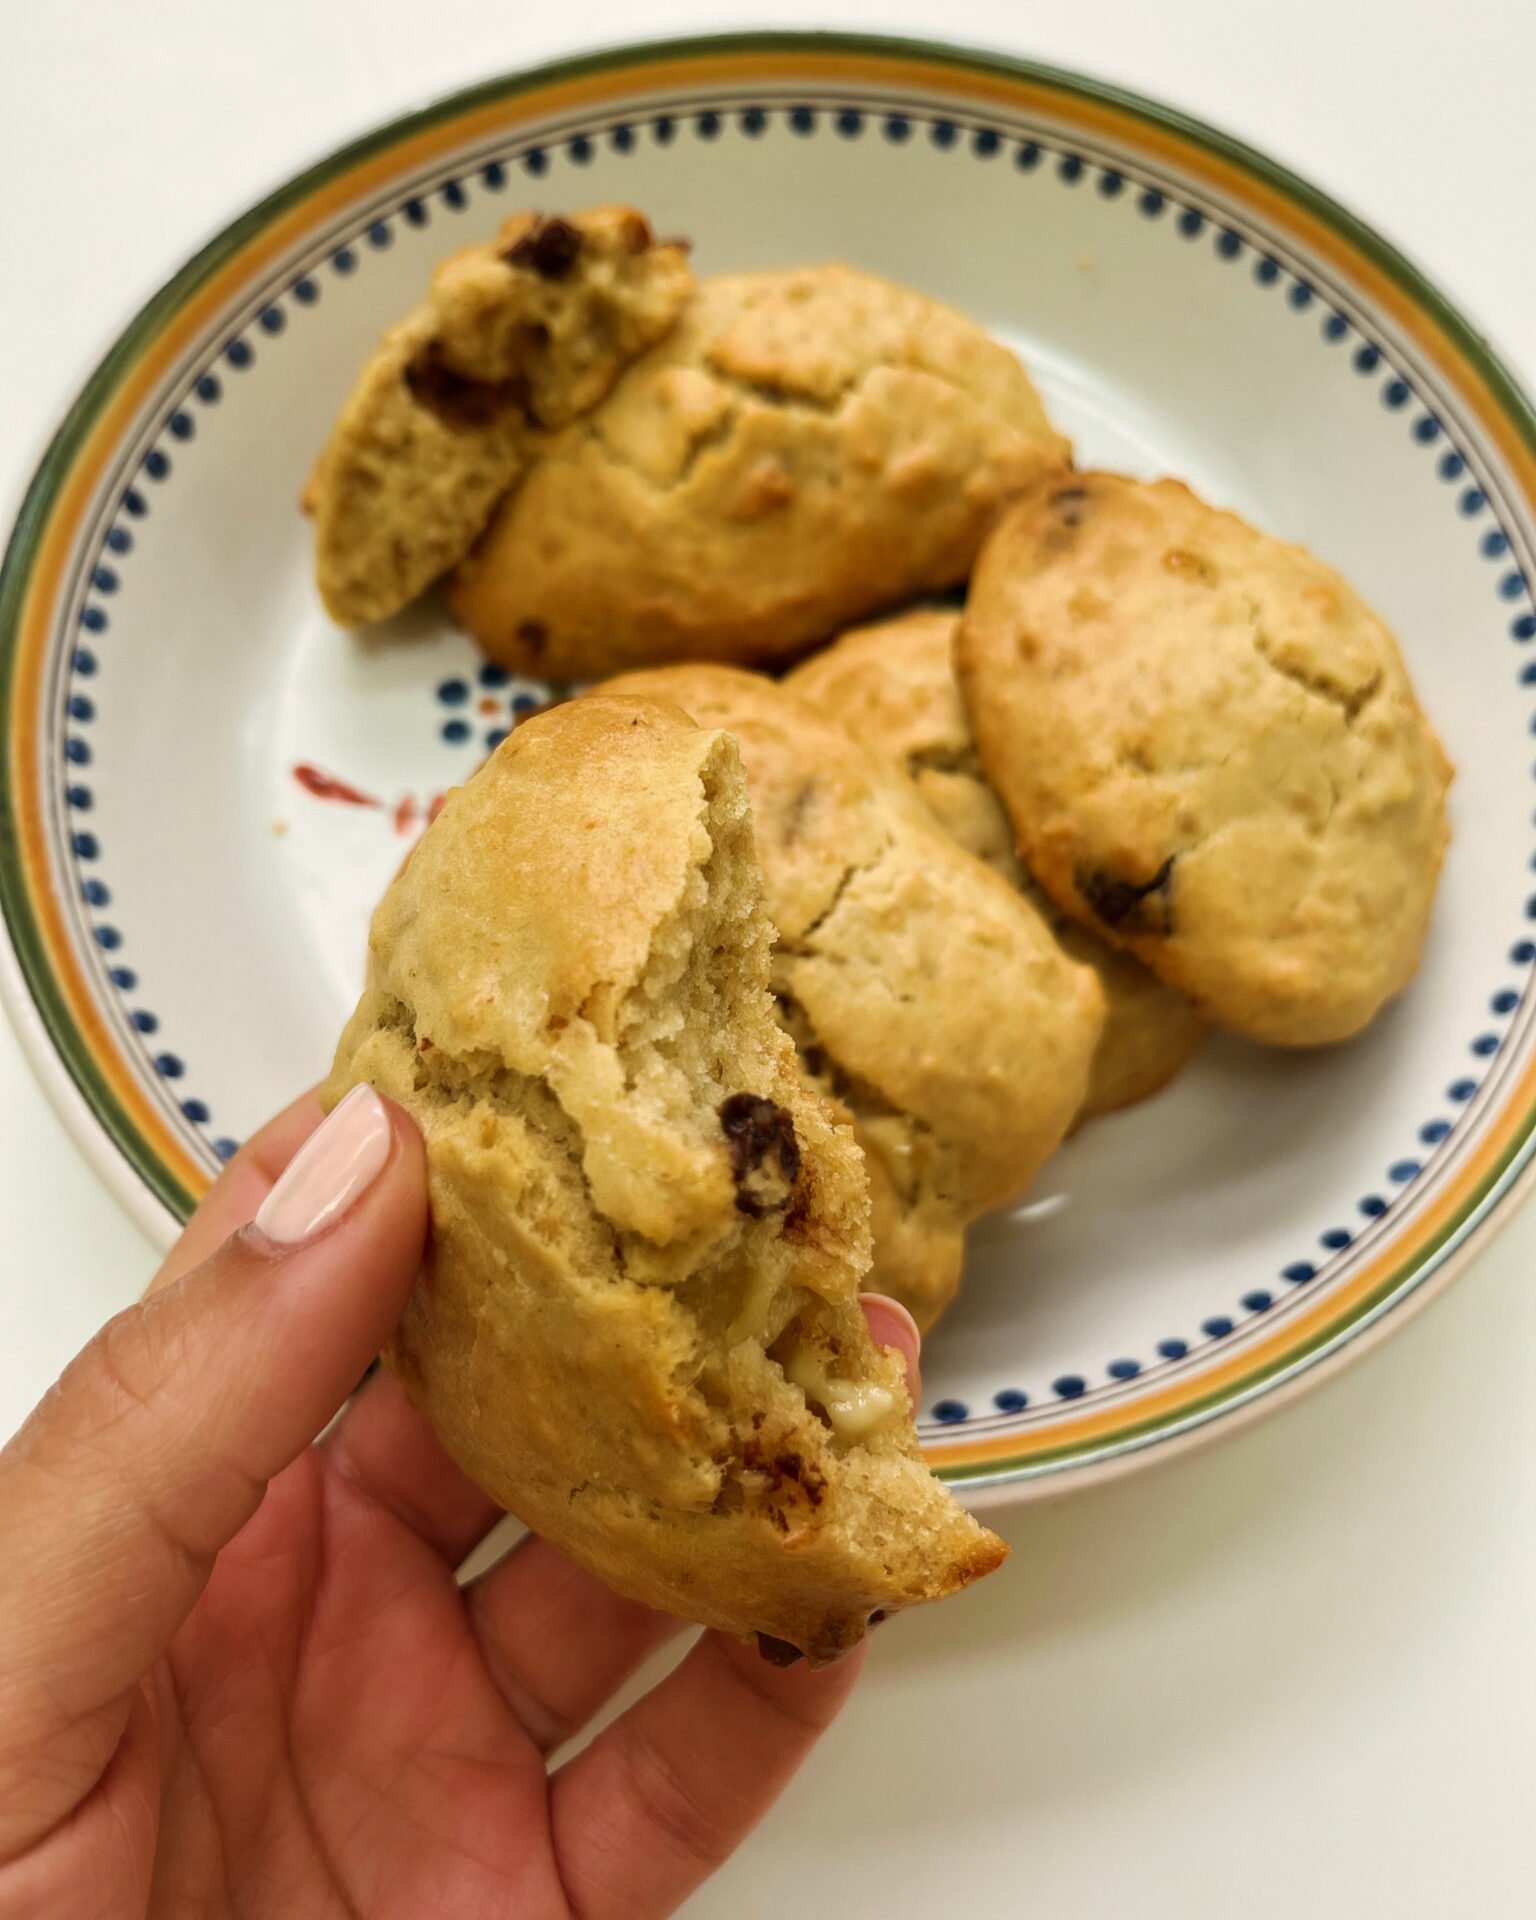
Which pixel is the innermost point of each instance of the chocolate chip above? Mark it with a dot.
(778, 1653)
(549, 246)
(534, 635)
(793, 1470)
(876, 1617)
(1068, 502)
(459, 402)
(758, 1131)
(1134, 906)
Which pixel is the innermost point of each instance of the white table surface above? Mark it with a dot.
(1292, 1674)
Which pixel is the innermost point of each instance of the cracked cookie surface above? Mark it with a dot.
(923, 993)
(1210, 751)
(514, 341)
(804, 449)
(892, 685)
(637, 1323)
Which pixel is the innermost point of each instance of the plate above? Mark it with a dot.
(208, 785)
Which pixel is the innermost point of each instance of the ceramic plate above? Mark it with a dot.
(208, 785)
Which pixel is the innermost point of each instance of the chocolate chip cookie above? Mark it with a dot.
(1210, 750)
(637, 1323)
(804, 449)
(515, 340)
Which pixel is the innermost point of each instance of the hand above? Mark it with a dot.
(236, 1672)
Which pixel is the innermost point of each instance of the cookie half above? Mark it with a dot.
(515, 340)
(637, 1325)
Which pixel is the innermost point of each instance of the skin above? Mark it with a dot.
(236, 1672)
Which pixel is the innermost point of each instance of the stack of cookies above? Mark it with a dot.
(1160, 772)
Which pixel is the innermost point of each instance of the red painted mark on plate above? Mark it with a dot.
(325, 786)
(435, 806)
(489, 706)
(405, 813)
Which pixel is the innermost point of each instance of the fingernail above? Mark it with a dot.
(890, 1325)
(335, 1166)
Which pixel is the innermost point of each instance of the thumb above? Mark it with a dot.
(155, 1447)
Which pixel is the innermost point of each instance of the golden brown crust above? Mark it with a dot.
(637, 1323)
(805, 448)
(922, 991)
(1210, 750)
(892, 685)
(514, 340)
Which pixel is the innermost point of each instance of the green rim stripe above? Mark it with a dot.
(47, 482)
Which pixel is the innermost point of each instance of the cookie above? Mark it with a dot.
(920, 988)
(804, 449)
(1210, 750)
(893, 686)
(637, 1323)
(515, 340)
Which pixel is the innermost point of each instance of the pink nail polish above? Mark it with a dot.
(335, 1166)
(890, 1325)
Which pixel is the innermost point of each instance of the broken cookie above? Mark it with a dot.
(514, 341)
(637, 1324)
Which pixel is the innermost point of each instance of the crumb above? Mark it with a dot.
(1085, 263)
(279, 828)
